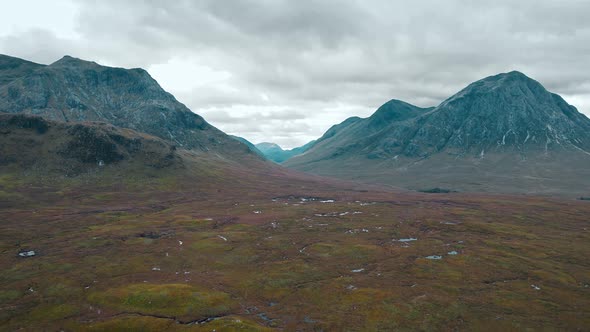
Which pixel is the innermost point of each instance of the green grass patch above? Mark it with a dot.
(47, 313)
(173, 300)
(7, 296)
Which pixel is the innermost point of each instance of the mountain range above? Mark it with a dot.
(504, 133)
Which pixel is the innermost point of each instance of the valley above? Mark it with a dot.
(122, 210)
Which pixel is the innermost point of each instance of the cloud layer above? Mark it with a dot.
(284, 71)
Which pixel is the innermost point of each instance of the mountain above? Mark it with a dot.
(275, 153)
(74, 90)
(504, 133)
(249, 144)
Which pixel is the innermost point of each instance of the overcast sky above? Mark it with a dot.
(284, 71)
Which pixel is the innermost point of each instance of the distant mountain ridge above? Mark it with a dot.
(501, 126)
(274, 152)
(249, 144)
(74, 90)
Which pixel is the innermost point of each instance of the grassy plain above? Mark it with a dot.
(278, 253)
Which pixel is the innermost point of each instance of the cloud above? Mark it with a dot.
(38, 45)
(320, 61)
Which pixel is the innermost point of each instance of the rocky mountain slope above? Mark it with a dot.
(504, 133)
(275, 153)
(73, 90)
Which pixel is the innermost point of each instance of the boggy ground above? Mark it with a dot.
(289, 255)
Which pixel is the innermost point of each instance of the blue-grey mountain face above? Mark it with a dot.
(504, 133)
(275, 153)
(73, 90)
(506, 112)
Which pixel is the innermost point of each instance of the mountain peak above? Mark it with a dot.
(506, 79)
(394, 111)
(515, 73)
(68, 60)
(512, 85)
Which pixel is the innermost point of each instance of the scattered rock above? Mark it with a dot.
(449, 223)
(329, 214)
(410, 239)
(435, 257)
(27, 253)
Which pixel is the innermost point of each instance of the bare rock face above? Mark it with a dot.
(73, 90)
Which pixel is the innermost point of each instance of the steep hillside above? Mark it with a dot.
(250, 145)
(504, 133)
(38, 146)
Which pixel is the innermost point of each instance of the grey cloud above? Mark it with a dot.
(38, 45)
